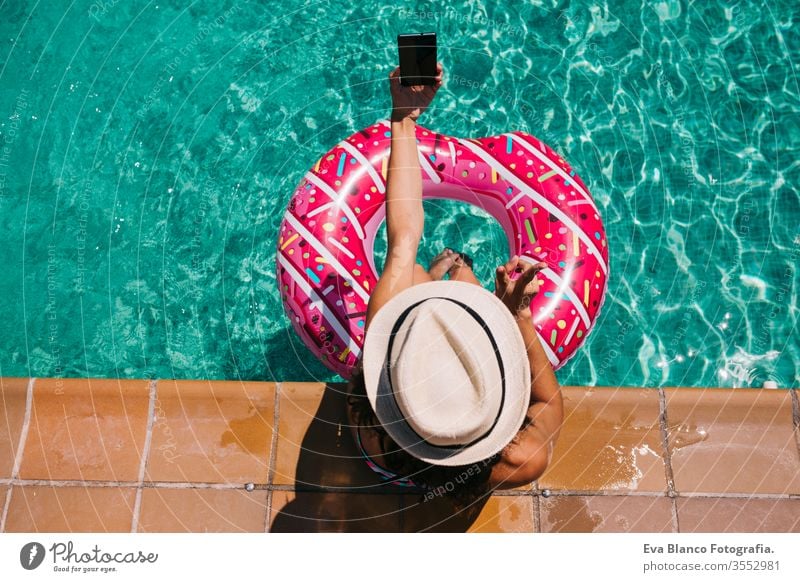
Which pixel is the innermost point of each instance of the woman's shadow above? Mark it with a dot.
(334, 489)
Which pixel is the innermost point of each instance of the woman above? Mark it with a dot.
(467, 423)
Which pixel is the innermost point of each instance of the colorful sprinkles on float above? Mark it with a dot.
(326, 267)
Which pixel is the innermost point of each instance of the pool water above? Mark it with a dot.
(148, 151)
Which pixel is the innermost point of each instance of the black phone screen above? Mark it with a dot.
(417, 58)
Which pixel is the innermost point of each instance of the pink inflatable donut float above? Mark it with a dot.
(325, 264)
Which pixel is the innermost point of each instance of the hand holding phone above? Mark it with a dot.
(411, 102)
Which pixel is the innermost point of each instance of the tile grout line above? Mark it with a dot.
(145, 485)
(23, 438)
(151, 408)
(273, 455)
(668, 473)
(513, 492)
(536, 493)
(373, 491)
(676, 524)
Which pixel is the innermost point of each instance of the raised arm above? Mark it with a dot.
(404, 215)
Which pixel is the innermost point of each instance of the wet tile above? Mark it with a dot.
(3, 492)
(211, 432)
(422, 513)
(13, 392)
(513, 514)
(334, 512)
(86, 429)
(299, 403)
(739, 515)
(610, 440)
(70, 509)
(732, 441)
(498, 513)
(605, 513)
(202, 510)
(315, 444)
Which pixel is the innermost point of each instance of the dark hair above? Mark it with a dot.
(463, 484)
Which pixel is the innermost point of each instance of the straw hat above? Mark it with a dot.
(447, 372)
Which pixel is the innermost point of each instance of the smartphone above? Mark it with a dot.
(417, 58)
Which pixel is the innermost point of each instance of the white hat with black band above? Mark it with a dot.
(447, 372)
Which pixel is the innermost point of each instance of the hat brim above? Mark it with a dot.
(510, 351)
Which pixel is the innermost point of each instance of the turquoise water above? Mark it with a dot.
(148, 150)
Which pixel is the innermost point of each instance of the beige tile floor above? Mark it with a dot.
(195, 456)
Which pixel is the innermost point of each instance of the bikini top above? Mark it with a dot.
(385, 474)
